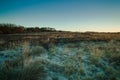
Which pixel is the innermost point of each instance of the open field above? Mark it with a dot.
(60, 56)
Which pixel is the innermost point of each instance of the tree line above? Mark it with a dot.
(12, 29)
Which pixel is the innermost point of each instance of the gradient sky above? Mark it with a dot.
(73, 15)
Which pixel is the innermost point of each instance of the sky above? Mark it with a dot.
(69, 15)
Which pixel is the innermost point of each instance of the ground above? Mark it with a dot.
(61, 58)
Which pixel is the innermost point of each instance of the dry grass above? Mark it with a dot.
(15, 70)
(86, 60)
(22, 68)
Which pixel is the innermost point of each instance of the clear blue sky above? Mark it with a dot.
(73, 15)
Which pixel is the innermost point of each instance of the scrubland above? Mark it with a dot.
(60, 56)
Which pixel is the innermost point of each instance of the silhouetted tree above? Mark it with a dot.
(12, 29)
(47, 29)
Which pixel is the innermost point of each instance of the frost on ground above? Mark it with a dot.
(85, 60)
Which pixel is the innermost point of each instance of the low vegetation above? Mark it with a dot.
(60, 56)
(21, 68)
(70, 61)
